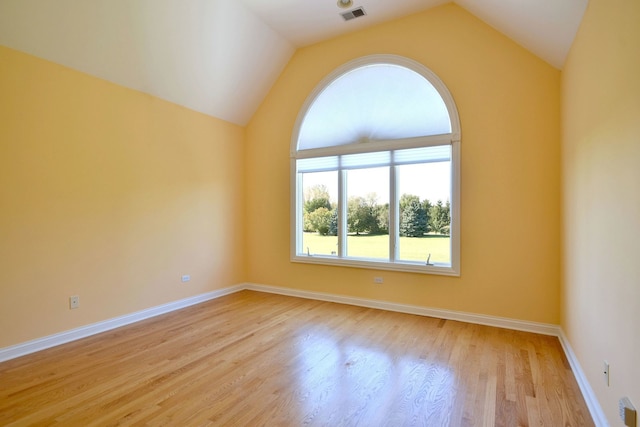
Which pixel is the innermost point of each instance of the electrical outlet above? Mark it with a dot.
(378, 280)
(74, 301)
(605, 369)
(185, 278)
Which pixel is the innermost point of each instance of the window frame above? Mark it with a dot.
(452, 139)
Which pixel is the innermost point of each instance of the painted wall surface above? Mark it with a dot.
(509, 105)
(601, 184)
(109, 194)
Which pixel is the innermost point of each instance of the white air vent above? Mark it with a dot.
(353, 14)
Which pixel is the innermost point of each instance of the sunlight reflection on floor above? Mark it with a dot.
(362, 382)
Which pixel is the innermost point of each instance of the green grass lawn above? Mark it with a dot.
(411, 248)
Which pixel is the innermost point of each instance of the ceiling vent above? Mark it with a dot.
(353, 14)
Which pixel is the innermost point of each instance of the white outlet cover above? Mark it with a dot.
(74, 301)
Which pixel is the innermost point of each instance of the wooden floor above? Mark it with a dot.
(259, 359)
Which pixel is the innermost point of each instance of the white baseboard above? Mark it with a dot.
(500, 322)
(599, 419)
(587, 392)
(38, 344)
(28, 347)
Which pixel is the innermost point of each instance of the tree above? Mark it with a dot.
(426, 207)
(383, 218)
(406, 199)
(306, 224)
(413, 221)
(440, 218)
(333, 223)
(319, 191)
(316, 197)
(313, 204)
(361, 215)
(447, 217)
(320, 220)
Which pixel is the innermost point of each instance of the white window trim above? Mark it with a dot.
(453, 139)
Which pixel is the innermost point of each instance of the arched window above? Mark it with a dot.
(375, 170)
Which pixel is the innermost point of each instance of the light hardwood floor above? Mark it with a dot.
(259, 359)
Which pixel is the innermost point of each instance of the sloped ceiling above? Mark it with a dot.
(221, 57)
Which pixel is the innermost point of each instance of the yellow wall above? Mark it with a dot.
(509, 105)
(601, 184)
(112, 194)
(109, 194)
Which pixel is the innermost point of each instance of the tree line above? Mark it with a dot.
(366, 216)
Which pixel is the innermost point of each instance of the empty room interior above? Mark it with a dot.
(181, 185)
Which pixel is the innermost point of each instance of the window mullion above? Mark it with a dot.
(393, 212)
(342, 211)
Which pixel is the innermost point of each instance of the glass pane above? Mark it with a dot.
(320, 213)
(368, 213)
(425, 217)
(374, 102)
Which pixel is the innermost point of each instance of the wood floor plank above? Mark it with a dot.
(252, 359)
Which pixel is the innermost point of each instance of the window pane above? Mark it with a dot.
(368, 213)
(320, 213)
(424, 218)
(374, 102)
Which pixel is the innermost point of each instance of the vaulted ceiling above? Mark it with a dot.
(221, 57)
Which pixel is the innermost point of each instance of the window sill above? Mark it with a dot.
(437, 269)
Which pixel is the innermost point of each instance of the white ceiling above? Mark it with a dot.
(221, 57)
